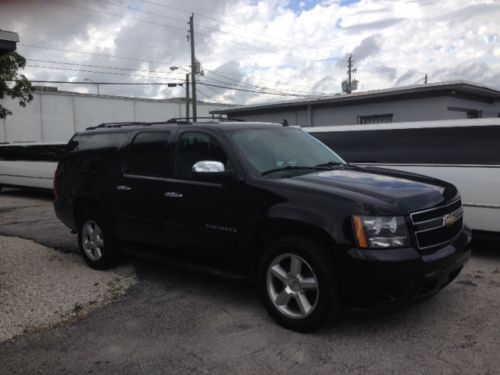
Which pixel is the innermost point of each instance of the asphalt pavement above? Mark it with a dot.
(175, 321)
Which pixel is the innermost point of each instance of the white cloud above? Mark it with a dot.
(275, 45)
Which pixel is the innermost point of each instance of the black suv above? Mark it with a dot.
(316, 232)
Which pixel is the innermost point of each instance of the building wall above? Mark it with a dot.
(423, 109)
(403, 110)
(54, 117)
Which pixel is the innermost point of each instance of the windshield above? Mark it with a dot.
(281, 149)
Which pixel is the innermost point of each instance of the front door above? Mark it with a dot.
(205, 216)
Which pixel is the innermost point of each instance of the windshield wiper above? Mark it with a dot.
(329, 164)
(291, 168)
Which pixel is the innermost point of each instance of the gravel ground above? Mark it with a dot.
(40, 287)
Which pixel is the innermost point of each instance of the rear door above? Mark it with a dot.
(139, 192)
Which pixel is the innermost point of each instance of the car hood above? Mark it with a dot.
(394, 191)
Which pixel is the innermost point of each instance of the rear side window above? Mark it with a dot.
(93, 152)
(147, 155)
(109, 142)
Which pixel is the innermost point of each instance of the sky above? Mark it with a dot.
(258, 51)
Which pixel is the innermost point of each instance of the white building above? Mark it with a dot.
(56, 116)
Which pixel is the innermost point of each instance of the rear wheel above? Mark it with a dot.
(298, 285)
(97, 245)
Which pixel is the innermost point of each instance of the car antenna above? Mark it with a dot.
(285, 122)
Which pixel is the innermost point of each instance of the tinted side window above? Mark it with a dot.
(93, 152)
(194, 147)
(460, 145)
(147, 154)
(99, 141)
(32, 152)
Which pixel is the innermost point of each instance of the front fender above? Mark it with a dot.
(328, 222)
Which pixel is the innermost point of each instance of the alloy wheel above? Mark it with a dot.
(292, 286)
(92, 240)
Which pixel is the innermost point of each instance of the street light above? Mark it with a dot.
(97, 85)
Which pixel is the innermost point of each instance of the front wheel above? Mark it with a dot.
(97, 245)
(298, 284)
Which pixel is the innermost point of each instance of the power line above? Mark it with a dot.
(142, 11)
(181, 29)
(255, 91)
(203, 92)
(65, 50)
(116, 15)
(102, 67)
(266, 50)
(150, 83)
(92, 71)
(267, 89)
(92, 53)
(234, 82)
(258, 80)
(219, 21)
(198, 25)
(105, 83)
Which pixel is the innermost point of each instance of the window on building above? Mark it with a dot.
(147, 155)
(469, 112)
(375, 119)
(474, 114)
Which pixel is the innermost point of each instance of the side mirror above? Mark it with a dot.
(211, 170)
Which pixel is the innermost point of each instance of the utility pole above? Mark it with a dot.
(350, 84)
(349, 74)
(425, 79)
(187, 97)
(193, 64)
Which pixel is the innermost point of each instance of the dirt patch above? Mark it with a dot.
(40, 287)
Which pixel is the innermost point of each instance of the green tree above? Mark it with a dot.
(12, 84)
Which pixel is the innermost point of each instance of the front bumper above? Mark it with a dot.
(380, 277)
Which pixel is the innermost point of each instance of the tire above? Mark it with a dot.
(297, 284)
(98, 246)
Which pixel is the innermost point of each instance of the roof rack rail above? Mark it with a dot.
(174, 120)
(189, 120)
(178, 120)
(128, 123)
(117, 125)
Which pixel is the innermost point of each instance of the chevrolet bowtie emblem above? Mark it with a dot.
(449, 220)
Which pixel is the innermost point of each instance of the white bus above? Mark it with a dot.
(29, 165)
(463, 152)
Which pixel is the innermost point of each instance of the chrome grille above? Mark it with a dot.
(437, 226)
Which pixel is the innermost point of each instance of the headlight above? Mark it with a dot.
(380, 231)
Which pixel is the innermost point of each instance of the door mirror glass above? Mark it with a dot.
(208, 167)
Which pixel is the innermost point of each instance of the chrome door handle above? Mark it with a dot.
(123, 188)
(173, 194)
